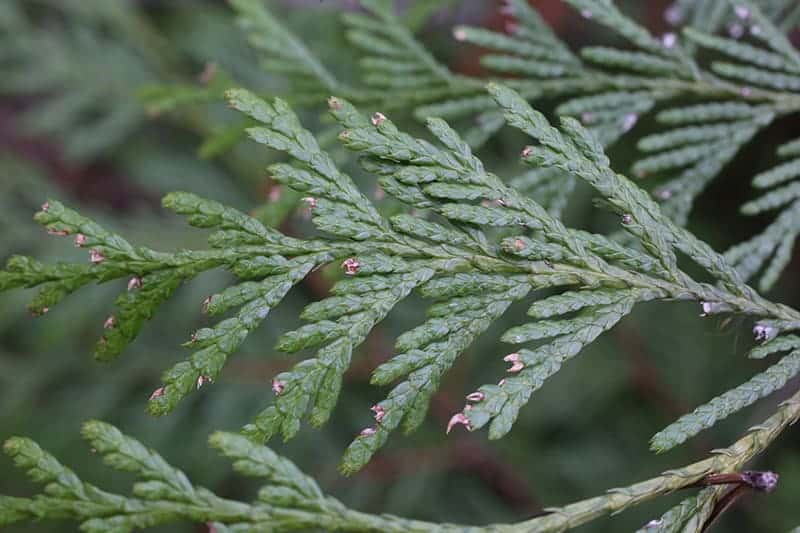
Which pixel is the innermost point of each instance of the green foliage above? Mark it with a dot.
(467, 240)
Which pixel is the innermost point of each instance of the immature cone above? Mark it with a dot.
(158, 393)
(764, 333)
(278, 386)
(629, 121)
(310, 202)
(379, 412)
(627, 219)
(516, 363)
(351, 266)
(110, 322)
(134, 283)
(527, 151)
(202, 380)
(764, 481)
(80, 240)
(458, 419)
(742, 12)
(95, 256)
(334, 103)
(378, 119)
(476, 397)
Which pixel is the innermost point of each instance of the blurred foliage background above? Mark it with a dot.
(77, 123)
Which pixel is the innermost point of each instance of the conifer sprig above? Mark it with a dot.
(291, 501)
(480, 246)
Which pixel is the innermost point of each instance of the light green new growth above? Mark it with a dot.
(469, 242)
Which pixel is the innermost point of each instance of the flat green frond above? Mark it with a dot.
(725, 405)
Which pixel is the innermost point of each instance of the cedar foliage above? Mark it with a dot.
(467, 241)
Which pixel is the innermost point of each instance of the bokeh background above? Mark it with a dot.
(75, 125)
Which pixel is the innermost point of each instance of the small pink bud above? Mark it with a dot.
(629, 121)
(379, 194)
(206, 303)
(501, 382)
(742, 12)
(519, 245)
(378, 119)
(735, 30)
(202, 380)
(516, 367)
(134, 283)
(764, 333)
(585, 13)
(278, 386)
(755, 30)
(669, 40)
(80, 240)
(110, 322)
(511, 27)
(366, 432)
(746, 92)
(458, 419)
(516, 362)
(95, 256)
(275, 193)
(656, 522)
(310, 202)
(46, 207)
(57, 232)
(158, 393)
(527, 151)
(587, 117)
(460, 34)
(379, 412)
(476, 397)
(351, 266)
(673, 15)
(334, 103)
(627, 219)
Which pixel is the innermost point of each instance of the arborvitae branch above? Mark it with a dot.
(292, 501)
(474, 244)
(472, 275)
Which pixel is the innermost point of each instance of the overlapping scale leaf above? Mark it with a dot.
(394, 62)
(609, 115)
(771, 250)
(312, 386)
(214, 345)
(428, 351)
(728, 403)
(283, 52)
(500, 404)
